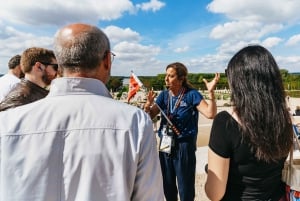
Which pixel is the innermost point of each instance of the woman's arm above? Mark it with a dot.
(209, 108)
(218, 168)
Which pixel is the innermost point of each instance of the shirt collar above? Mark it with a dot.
(76, 85)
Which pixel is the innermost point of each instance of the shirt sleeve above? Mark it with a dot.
(219, 141)
(148, 183)
(198, 98)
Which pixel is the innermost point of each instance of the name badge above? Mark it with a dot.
(166, 144)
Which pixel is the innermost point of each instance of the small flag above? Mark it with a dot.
(134, 86)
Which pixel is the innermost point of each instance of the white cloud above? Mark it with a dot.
(227, 48)
(252, 21)
(130, 53)
(267, 11)
(291, 63)
(294, 40)
(243, 30)
(57, 12)
(208, 63)
(134, 56)
(190, 41)
(181, 49)
(134, 51)
(153, 5)
(34, 20)
(271, 42)
(13, 41)
(256, 22)
(205, 49)
(289, 59)
(235, 30)
(117, 34)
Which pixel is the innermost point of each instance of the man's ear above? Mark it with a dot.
(107, 61)
(38, 66)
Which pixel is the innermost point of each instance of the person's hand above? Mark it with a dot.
(150, 97)
(212, 84)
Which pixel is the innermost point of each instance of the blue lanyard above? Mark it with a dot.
(173, 108)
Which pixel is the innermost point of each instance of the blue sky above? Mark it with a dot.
(146, 35)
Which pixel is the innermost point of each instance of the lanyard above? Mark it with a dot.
(172, 108)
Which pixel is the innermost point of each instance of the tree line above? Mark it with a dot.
(291, 82)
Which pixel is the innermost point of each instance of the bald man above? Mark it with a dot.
(78, 143)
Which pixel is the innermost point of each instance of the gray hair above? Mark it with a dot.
(83, 50)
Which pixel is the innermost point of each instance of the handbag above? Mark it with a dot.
(291, 172)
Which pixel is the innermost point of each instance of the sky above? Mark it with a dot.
(147, 35)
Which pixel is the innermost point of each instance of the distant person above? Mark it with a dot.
(249, 145)
(40, 68)
(79, 144)
(12, 77)
(181, 102)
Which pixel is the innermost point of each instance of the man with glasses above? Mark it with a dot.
(40, 68)
(78, 143)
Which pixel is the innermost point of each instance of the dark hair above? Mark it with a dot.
(14, 61)
(182, 73)
(258, 96)
(35, 54)
(85, 50)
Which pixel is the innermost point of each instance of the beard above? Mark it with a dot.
(47, 79)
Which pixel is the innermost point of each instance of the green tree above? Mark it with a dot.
(291, 82)
(115, 83)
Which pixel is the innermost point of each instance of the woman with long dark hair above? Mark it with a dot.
(248, 145)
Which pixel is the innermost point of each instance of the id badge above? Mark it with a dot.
(166, 144)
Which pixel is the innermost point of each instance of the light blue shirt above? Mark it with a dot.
(78, 144)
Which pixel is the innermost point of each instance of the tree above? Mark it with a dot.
(291, 81)
(115, 83)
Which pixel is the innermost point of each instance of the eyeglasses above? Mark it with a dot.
(111, 57)
(55, 66)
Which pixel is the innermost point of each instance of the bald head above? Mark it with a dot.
(80, 46)
(77, 28)
(69, 33)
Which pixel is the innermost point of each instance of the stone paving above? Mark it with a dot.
(201, 156)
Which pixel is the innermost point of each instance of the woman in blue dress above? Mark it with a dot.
(181, 103)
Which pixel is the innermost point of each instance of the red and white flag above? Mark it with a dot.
(134, 86)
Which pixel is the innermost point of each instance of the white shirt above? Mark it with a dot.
(78, 144)
(7, 83)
